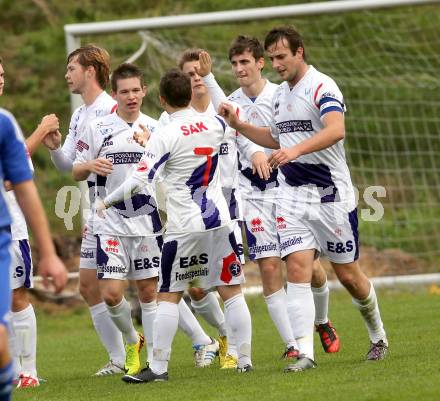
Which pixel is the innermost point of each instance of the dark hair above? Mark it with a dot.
(189, 55)
(175, 88)
(244, 43)
(98, 58)
(124, 71)
(289, 33)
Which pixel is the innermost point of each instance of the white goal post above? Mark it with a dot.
(384, 55)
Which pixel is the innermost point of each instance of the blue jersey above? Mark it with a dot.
(14, 166)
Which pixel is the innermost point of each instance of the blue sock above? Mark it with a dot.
(6, 375)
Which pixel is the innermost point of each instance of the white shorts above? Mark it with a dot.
(127, 258)
(21, 264)
(212, 257)
(328, 228)
(261, 230)
(87, 259)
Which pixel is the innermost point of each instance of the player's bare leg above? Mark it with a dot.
(327, 333)
(364, 298)
(107, 332)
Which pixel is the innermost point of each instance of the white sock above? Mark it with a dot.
(191, 326)
(301, 311)
(239, 319)
(210, 310)
(321, 296)
(121, 317)
(165, 327)
(25, 327)
(369, 309)
(277, 307)
(148, 316)
(108, 333)
(13, 349)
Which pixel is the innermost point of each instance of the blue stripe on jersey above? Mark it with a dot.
(353, 219)
(159, 240)
(221, 121)
(297, 174)
(101, 257)
(25, 251)
(229, 194)
(251, 240)
(330, 99)
(5, 262)
(140, 205)
(210, 213)
(256, 181)
(169, 252)
(161, 161)
(234, 245)
(91, 186)
(331, 108)
(100, 190)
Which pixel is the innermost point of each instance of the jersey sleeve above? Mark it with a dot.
(148, 171)
(217, 94)
(13, 157)
(328, 97)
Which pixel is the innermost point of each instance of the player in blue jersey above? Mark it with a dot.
(15, 169)
(316, 198)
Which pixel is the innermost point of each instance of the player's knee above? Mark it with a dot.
(348, 280)
(196, 294)
(147, 294)
(20, 300)
(112, 297)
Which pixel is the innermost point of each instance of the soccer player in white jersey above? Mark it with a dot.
(199, 240)
(316, 198)
(233, 149)
(254, 96)
(23, 339)
(88, 70)
(129, 239)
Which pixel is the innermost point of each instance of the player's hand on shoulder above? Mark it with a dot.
(205, 64)
(52, 140)
(260, 165)
(51, 266)
(100, 166)
(283, 156)
(143, 136)
(50, 123)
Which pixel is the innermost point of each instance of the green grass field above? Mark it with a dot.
(69, 353)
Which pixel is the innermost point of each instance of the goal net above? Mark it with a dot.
(387, 64)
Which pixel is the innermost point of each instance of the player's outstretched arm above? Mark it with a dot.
(99, 166)
(50, 265)
(333, 131)
(205, 71)
(260, 135)
(48, 124)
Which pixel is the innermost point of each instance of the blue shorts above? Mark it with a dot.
(5, 285)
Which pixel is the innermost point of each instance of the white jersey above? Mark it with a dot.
(185, 153)
(104, 104)
(111, 137)
(318, 177)
(18, 226)
(258, 112)
(235, 150)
